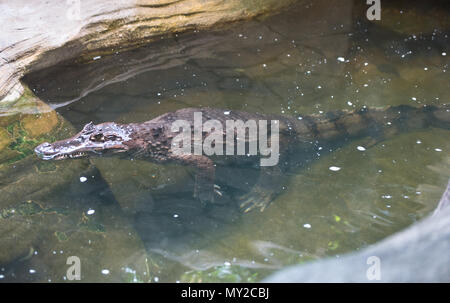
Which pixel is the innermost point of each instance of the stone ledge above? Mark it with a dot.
(42, 34)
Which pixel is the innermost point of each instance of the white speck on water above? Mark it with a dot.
(227, 112)
(156, 279)
(425, 68)
(300, 118)
(83, 179)
(365, 63)
(334, 168)
(349, 103)
(2, 276)
(105, 271)
(386, 196)
(264, 65)
(360, 148)
(414, 98)
(438, 149)
(226, 263)
(418, 142)
(96, 58)
(444, 54)
(365, 85)
(318, 86)
(307, 225)
(32, 271)
(388, 206)
(341, 59)
(175, 215)
(90, 212)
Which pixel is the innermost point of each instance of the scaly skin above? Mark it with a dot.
(152, 140)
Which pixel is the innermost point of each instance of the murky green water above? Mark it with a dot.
(137, 221)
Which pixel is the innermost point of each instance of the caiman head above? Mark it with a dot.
(100, 139)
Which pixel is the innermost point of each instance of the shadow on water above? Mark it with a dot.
(313, 58)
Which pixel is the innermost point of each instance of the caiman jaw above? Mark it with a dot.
(45, 151)
(105, 138)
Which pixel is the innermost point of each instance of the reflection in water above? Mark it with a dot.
(314, 58)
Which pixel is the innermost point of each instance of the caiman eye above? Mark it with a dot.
(97, 138)
(112, 138)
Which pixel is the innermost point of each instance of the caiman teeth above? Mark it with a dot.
(73, 155)
(76, 155)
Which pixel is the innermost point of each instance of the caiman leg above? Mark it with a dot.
(204, 177)
(270, 183)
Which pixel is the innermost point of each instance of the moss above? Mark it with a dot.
(24, 209)
(223, 273)
(89, 223)
(29, 208)
(62, 236)
(19, 138)
(333, 245)
(5, 138)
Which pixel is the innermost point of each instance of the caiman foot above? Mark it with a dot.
(217, 191)
(207, 196)
(257, 198)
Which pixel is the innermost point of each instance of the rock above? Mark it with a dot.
(42, 234)
(40, 216)
(127, 75)
(24, 124)
(133, 183)
(417, 254)
(42, 34)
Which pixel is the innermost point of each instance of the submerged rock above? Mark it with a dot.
(417, 254)
(26, 123)
(42, 220)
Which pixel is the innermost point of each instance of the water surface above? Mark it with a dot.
(312, 58)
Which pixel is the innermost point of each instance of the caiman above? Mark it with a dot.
(301, 135)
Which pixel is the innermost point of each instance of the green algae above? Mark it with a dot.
(223, 273)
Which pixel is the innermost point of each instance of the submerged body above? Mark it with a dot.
(154, 140)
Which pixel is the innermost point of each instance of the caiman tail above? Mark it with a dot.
(376, 123)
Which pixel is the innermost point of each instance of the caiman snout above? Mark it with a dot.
(43, 150)
(101, 139)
